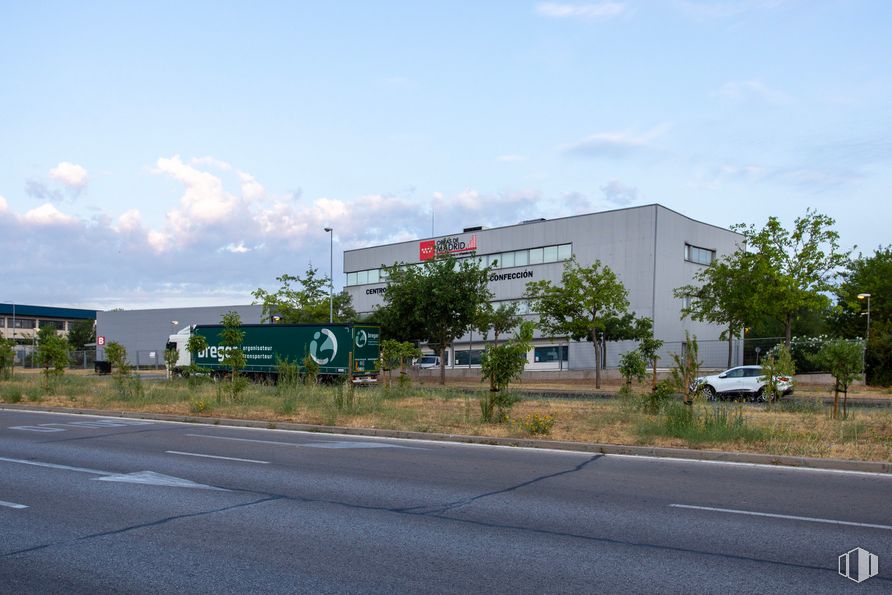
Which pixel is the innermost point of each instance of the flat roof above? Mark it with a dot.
(540, 222)
(46, 311)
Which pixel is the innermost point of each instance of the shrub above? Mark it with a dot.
(536, 425)
(11, 394)
(199, 406)
(495, 406)
(632, 366)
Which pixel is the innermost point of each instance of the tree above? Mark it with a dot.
(723, 294)
(170, 358)
(632, 365)
(80, 333)
(52, 353)
(873, 275)
(776, 364)
(650, 347)
(501, 365)
(435, 303)
(116, 355)
(793, 268)
(580, 305)
(687, 367)
(397, 353)
(501, 319)
(231, 338)
(304, 300)
(7, 358)
(843, 360)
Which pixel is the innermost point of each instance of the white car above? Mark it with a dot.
(427, 361)
(743, 381)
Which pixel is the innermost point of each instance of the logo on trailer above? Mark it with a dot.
(361, 338)
(323, 347)
(858, 565)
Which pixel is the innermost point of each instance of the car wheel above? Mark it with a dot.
(759, 397)
(709, 393)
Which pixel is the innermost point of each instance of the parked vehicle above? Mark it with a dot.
(427, 361)
(742, 382)
(332, 346)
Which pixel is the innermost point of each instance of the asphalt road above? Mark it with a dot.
(99, 505)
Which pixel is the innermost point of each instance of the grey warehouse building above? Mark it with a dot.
(652, 249)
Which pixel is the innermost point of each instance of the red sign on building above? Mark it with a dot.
(430, 248)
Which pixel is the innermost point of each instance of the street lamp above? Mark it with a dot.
(866, 296)
(330, 231)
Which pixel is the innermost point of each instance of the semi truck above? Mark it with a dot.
(340, 350)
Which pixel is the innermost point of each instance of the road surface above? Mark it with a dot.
(101, 504)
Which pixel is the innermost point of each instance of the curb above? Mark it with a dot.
(592, 447)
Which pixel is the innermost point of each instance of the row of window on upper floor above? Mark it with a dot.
(502, 260)
(31, 323)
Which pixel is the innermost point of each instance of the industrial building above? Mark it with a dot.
(653, 250)
(22, 321)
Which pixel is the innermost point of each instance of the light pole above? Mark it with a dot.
(862, 296)
(330, 231)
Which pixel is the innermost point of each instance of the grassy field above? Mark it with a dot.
(802, 427)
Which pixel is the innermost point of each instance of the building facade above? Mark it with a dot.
(22, 321)
(653, 250)
(144, 333)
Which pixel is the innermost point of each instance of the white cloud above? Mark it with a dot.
(129, 221)
(752, 90)
(71, 175)
(233, 248)
(598, 10)
(205, 200)
(251, 188)
(616, 144)
(47, 214)
(619, 194)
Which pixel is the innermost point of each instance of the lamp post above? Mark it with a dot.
(866, 296)
(330, 231)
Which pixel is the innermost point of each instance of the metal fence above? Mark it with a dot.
(26, 357)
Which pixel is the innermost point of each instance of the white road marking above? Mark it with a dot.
(94, 424)
(195, 454)
(37, 428)
(783, 516)
(327, 444)
(158, 479)
(144, 477)
(12, 504)
(55, 466)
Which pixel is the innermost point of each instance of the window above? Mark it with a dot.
(463, 357)
(698, 255)
(506, 260)
(735, 373)
(362, 277)
(521, 258)
(374, 276)
(550, 253)
(565, 252)
(536, 256)
(59, 325)
(493, 260)
(24, 323)
(351, 278)
(551, 353)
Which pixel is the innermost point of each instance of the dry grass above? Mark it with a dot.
(798, 428)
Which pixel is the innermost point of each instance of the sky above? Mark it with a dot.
(160, 154)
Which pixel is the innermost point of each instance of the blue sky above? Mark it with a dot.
(158, 154)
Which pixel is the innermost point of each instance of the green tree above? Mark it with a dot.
(435, 303)
(722, 294)
(581, 305)
(304, 300)
(7, 358)
(774, 367)
(687, 368)
(501, 365)
(52, 353)
(116, 355)
(842, 359)
(650, 348)
(80, 333)
(868, 275)
(170, 358)
(231, 338)
(632, 365)
(500, 319)
(794, 268)
(397, 354)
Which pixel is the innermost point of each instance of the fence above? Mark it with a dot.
(26, 357)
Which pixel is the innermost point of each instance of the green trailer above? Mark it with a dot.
(339, 349)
